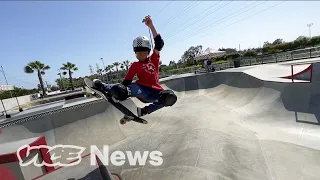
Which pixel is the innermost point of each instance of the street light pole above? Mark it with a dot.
(309, 25)
(4, 75)
(239, 46)
(103, 63)
(20, 109)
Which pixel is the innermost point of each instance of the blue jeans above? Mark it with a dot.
(147, 94)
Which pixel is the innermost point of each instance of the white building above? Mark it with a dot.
(6, 87)
(209, 53)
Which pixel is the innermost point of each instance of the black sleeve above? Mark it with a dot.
(158, 42)
(126, 82)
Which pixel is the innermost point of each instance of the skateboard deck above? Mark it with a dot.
(128, 114)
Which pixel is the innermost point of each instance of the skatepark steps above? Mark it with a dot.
(225, 125)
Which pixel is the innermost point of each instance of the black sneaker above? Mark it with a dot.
(97, 84)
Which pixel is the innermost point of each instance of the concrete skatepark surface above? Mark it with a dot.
(225, 125)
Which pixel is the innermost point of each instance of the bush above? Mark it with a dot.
(18, 92)
(233, 56)
(250, 53)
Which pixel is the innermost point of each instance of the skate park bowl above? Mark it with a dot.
(225, 125)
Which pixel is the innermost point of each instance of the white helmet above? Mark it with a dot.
(141, 43)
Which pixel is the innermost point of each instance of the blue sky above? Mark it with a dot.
(82, 32)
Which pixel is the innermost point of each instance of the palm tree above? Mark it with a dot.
(40, 68)
(60, 81)
(69, 67)
(126, 64)
(99, 71)
(108, 69)
(116, 64)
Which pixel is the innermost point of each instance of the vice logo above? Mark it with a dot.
(70, 153)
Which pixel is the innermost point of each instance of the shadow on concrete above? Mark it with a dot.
(296, 97)
(303, 98)
(212, 80)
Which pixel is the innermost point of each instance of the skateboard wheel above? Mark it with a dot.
(122, 121)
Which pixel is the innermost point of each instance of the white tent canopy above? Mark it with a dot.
(209, 53)
(6, 87)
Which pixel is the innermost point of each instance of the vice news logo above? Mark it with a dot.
(72, 156)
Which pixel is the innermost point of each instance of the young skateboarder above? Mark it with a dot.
(147, 88)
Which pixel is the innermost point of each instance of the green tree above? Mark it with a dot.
(301, 42)
(164, 67)
(266, 44)
(109, 69)
(69, 68)
(181, 64)
(250, 53)
(287, 46)
(219, 58)
(62, 83)
(315, 40)
(233, 56)
(189, 56)
(40, 68)
(79, 82)
(19, 92)
(277, 41)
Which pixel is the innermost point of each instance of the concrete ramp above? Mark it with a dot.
(282, 72)
(225, 125)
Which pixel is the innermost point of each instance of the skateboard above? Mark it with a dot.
(128, 115)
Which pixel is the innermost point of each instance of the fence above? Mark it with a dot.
(280, 57)
(271, 58)
(247, 61)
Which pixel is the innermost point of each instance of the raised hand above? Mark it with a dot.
(147, 20)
